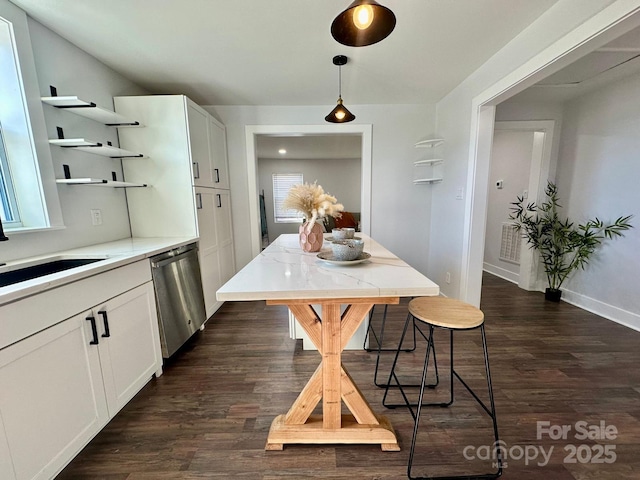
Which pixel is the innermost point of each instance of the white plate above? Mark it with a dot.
(330, 238)
(328, 257)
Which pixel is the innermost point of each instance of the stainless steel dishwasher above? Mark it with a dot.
(179, 297)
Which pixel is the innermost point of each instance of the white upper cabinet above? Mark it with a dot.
(218, 151)
(201, 162)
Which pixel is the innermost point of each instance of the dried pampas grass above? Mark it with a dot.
(312, 202)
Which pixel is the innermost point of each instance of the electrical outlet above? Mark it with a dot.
(447, 277)
(460, 193)
(96, 217)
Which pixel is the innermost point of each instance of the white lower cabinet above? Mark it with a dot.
(53, 400)
(58, 388)
(217, 260)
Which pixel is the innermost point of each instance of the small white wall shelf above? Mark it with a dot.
(90, 110)
(432, 161)
(420, 181)
(98, 182)
(430, 143)
(96, 148)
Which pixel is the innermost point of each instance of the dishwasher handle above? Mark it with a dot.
(166, 260)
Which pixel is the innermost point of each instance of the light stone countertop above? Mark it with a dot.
(116, 254)
(283, 271)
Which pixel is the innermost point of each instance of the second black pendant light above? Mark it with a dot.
(340, 114)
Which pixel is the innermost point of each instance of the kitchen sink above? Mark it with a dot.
(21, 274)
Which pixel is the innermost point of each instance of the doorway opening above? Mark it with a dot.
(252, 133)
(608, 25)
(520, 165)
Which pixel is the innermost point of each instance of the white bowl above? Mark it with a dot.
(347, 249)
(343, 233)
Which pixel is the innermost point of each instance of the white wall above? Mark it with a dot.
(400, 211)
(510, 164)
(339, 177)
(450, 216)
(597, 176)
(74, 72)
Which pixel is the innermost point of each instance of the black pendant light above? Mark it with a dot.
(340, 114)
(363, 23)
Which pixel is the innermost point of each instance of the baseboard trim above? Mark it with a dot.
(615, 314)
(501, 272)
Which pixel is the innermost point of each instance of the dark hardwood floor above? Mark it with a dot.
(209, 414)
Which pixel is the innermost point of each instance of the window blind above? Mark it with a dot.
(282, 182)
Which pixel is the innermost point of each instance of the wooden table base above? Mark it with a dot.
(350, 432)
(331, 382)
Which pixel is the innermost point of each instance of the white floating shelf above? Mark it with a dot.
(420, 181)
(90, 110)
(98, 182)
(96, 148)
(430, 143)
(432, 161)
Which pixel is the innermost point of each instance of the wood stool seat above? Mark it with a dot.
(446, 312)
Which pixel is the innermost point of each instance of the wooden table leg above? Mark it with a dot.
(331, 383)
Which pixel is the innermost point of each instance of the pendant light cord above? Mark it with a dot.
(339, 81)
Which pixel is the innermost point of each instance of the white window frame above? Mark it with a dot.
(282, 182)
(28, 155)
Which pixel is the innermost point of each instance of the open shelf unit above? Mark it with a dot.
(96, 148)
(98, 182)
(90, 110)
(434, 173)
(93, 112)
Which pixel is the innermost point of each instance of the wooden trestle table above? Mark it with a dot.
(283, 274)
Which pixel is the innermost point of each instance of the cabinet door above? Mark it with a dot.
(218, 149)
(223, 226)
(129, 344)
(199, 142)
(206, 203)
(227, 263)
(51, 398)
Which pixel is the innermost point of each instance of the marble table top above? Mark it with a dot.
(283, 271)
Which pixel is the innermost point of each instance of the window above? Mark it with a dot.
(28, 193)
(8, 207)
(282, 182)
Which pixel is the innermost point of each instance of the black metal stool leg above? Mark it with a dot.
(491, 411)
(380, 341)
(392, 375)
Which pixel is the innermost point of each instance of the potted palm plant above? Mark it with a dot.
(563, 247)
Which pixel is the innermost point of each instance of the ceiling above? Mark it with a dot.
(618, 59)
(279, 52)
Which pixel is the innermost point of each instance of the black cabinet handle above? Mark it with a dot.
(217, 175)
(219, 200)
(199, 201)
(196, 170)
(106, 333)
(94, 330)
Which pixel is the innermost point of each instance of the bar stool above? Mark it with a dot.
(452, 315)
(371, 334)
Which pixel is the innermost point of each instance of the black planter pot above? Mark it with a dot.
(552, 295)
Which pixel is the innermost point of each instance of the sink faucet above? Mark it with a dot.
(3, 237)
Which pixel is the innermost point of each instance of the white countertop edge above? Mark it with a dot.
(119, 253)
